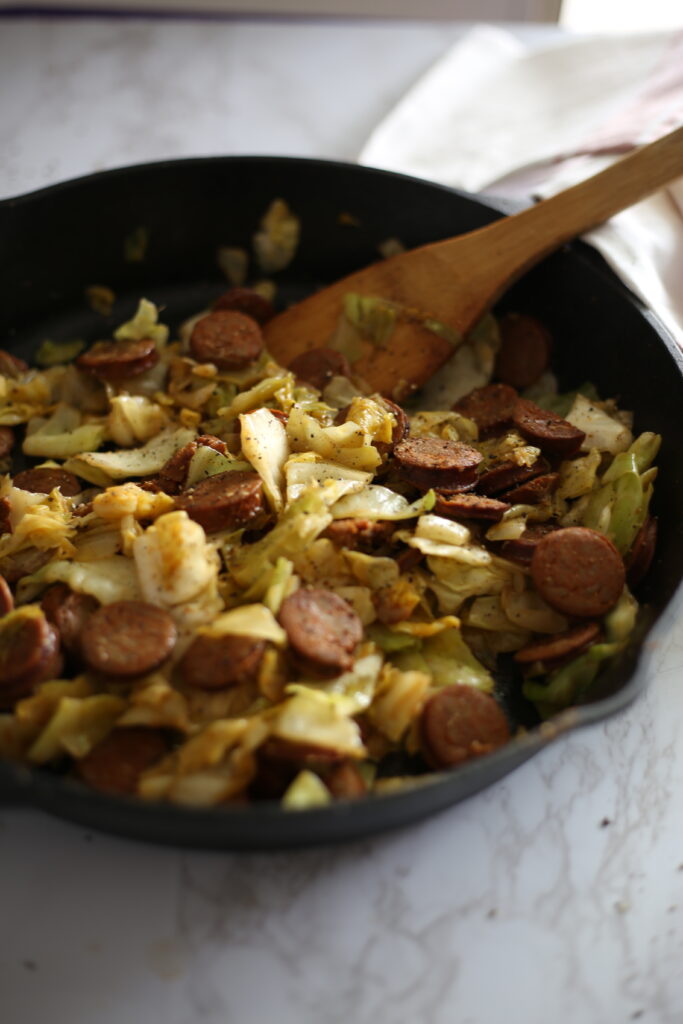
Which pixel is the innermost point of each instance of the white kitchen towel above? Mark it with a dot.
(495, 116)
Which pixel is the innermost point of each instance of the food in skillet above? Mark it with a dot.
(224, 580)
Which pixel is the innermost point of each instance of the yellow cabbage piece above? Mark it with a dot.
(264, 444)
(174, 561)
(253, 620)
(77, 725)
(108, 579)
(134, 418)
(101, 467)
(276, 242)
(307, 790)
(144, 324)
(62, 435)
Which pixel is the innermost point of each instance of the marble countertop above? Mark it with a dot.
(556, 895)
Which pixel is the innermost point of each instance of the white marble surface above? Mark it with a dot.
(556, 895)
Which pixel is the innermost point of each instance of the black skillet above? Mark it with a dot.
(56, 242)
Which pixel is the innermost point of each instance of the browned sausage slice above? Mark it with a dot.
(402, 427)
(359, 534)
(470, 506)
(323, 630)
(173, 473)
(507, 474)
(228, 339)
(578, 572)
(44, 479)
(533, 492)
(6, 441)
(525, 348)
(117, 762)
(408, 559)
(547, 430)
(213, 663)
(115, 361)
(69, 611)
(5, 516)
(226, 501)
(11, 366)
(642, 552)
(6, 598)
(345, 781)
(429, 462)
(491, 407)
(318, 366)
(559, 647)
(460, 722)
(521, 549)
(29, 655)
(128, 638)
(246, 300)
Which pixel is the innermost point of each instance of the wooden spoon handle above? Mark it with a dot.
(500, 253)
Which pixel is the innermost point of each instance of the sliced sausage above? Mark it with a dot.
(552, 434)
(533, 492)
(560, 647)
(434, 462)
(323, 630)
(69, 612)
(214, 663)
(408, 559)
(246, 300)
(5, 516)
(6, 598)
(173, 473)
(507, 474)
(228, 339)
(12, 366)
(359, 534)
(521, 549)
(401, 429)
(491, 407)
(128, 638)
(470, 506)
(24, 562)
(318, 366)
(524, 352)
(345, 781)
(6, 441)
(44, 479)
(460, 722)
(115, 361)
(578, 571)
(279, 761)
(642, 552)
(117, 762)
(226, 501)
(29, 655)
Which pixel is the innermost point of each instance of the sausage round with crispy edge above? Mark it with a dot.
(470, 506)
(11, 366)
(491, 407)
(642, 551)
(69, 612)
(173, 473)
(521, 549)
(227, 338)
(128, 638)
(117, 762)
(428, 462)
(578, 571)
(318, 366)
(323, 630)
(345, 781)
(29, 655)
(6, 598)
(559, 647)
(246, 300)
(115, 361)
(498, 479)
(6, 441)
(226, 501)
(44, 479)
(524, 352)
(460, 722)
(359, 534)
(552, 434)
(217, 662)
(533, 491)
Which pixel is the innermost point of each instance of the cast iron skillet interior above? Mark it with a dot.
(55, 242)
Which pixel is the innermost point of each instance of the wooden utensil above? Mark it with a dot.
(457, 280)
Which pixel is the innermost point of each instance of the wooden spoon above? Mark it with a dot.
(456, 281)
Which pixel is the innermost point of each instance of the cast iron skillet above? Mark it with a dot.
(55, 242)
